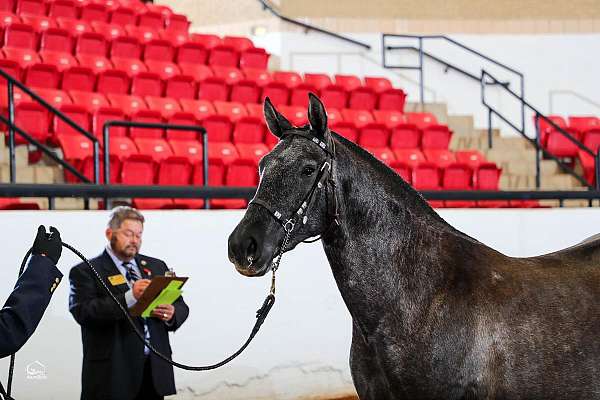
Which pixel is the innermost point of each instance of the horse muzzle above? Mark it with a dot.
(249, 252)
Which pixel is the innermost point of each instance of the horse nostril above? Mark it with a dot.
(251, 249)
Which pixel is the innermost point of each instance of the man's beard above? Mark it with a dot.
(123, 253)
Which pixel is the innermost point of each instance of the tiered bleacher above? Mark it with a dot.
(123, 59)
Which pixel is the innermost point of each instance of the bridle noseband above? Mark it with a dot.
(324, 179)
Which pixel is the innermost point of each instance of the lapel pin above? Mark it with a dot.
(144, 262)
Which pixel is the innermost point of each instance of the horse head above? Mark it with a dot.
(292, 192)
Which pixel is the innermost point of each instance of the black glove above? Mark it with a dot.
(48, 244)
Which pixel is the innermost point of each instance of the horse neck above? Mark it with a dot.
(383, 255)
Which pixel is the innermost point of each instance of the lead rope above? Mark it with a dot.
(286, 239)
(261, 315)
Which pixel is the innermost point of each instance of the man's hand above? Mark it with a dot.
(47, 244)
(139, 286)
(164, 312)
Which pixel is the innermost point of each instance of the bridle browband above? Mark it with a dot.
(324, 179)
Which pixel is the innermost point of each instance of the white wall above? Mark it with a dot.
(303, 346)
(549, 62)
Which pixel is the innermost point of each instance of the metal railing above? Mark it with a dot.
(555, 93)
(421, 39)
(12, 129)
(148, 125)
(486, 79)
(308, 27)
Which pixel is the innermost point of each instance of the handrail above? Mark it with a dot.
(96, 144)
(160, 191)
(537, 141)
(553, 93)
(149, 125)
(422, 54)
(309, 27)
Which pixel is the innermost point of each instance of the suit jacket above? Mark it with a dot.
(113, 356)
(26, 304)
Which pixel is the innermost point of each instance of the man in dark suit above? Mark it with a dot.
(116, 364)
(26, 304)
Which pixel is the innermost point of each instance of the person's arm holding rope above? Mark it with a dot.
(27, 303)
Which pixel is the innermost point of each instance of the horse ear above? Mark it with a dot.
(317, 117)
(276, 122)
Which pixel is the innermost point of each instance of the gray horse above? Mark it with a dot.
(436, 314)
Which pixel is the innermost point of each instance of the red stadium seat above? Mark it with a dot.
(421, 119)
(113, 81)
(230, 75)
(91, 43)
(436, 137)
(213, 89)
(180, 87)
(177, 23)
(582, 124)
(254, 58)
(191, 53)
(61, 60)
(121, 147)
(174, 170)
(75, 148)
(54, 97)
(378, 84)
(546, 127)
(146, 84)
(252, 151)
(8, 18)
(334, 96)
(411, 157)
(94, 12)
(91, 101)
(151, 19)
(591, 139)
(8, 203)
(374, 135)
(255, 110)
(239, 173)
(39, 22)
(146, 116)
(216, 174)
(75, 26)
(197, 71)
(225, 56)
(487, 177)
(219, 128)
(319, 81)
(95, 62)
(200, 108)
(402, 169)
(346, 129)
(297, 115)
(230, 109)
(176, 38)
(190, 149)
(245, 91)
(362, 98)
(165, 69)
(225, 151)
(42, 76)
(87, 168)
(103, 114)
(359, 117)
(299, 94)
(239, 43)
(33, 119)
(25, 57)
(13, 69)
(183, 118)
(248, 130)
(277, 92)
(31, 7)
(167, 106)
(78, 114)
(109, 31)
(440, 157)
(473, 158)
(138, 169)
(425, 176)
(63, 9)
(21, 36)
(458, 176)
(125, 47)
(142, 33)
(392, 99)
(7, 5)
(261, 77)
(383, 154)
(207, 40)
(588, 165)
(290, 79)
(123, 16)
(348, 82)
(390, 118)
(157, 148)
(159, 50)
(560, 146)
(132, 66)
(129, 104)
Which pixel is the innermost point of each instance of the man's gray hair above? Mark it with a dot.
(121, 213)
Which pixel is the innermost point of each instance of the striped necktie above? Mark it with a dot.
(131, 275)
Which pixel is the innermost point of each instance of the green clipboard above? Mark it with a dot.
(162, 290)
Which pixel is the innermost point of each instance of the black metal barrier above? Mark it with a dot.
(203, 192)
(12, 128)
(149, 125)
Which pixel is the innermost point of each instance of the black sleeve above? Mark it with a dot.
(88, 303)
(26, 304)
(181, 313)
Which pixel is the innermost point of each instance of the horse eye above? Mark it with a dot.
(308, 170)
